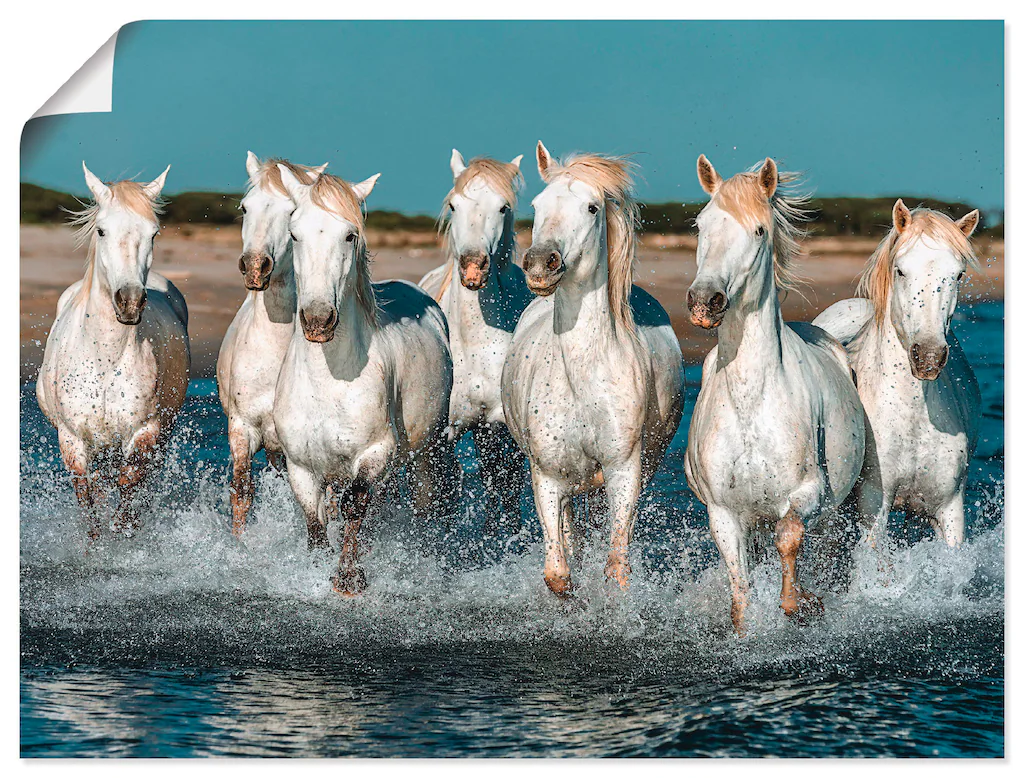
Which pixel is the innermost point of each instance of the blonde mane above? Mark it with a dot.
(613, 178)
(782, 215)
(131, 196)
(504, 178)
(268, 176)
(336, 196)
(875, 282)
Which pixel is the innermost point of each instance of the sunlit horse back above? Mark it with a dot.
(116, 366)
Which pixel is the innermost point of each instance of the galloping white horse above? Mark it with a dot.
(592, 386)
(777, 435)
(919, 392)
(116, 364)
(482, 311)
(255, 343)
(367, 377)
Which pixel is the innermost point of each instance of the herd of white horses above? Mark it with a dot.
(557, 359)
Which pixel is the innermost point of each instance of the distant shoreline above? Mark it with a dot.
(203, 262)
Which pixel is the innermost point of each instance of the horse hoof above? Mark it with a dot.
(804, 607)
(350, 583)
(619, 574)
(560, 585)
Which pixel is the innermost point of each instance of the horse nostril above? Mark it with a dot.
(915, 353)
(142, 300)
(266, 266)
(241, 263)
(717, 302)
(690, 302)
(554, 260)
(944, 357)
(332, 319)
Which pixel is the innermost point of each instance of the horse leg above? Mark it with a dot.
(950, 520)
(623, 488)
(550, 499)
(277, 460)
(873, 505)
(789, 536)
(138, 461)
(350, 580)
(730, 538)
(76, 460)
(244, 443)
(434, 480)
(501, 468)
(309, 492)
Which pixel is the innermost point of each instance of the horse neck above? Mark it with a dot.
(750, 336)
(584, 326)
(879, 352)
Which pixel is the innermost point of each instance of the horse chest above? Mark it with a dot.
(477, 358)
(105, 397)
(752, 454)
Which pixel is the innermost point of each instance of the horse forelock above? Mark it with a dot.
(783, 215)
(612, 178)
(268, 176)
(876, 280)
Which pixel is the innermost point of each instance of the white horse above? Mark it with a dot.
(482, 312)
(255, 344)
(919, 392)
(367, 377)
(777, 435)
(592, 386)
(116, 364)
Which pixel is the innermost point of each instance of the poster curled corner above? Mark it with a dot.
(90, 89)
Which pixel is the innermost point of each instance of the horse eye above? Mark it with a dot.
(960, 277)
(451, 207)
(592, 208)
(292, 236)
(899, 273)
(100, 232)
(242, 208)
(760, 230)
(350, 237)
(503, 209)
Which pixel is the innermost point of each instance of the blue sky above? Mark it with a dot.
(865, 108)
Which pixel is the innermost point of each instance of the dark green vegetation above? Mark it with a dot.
(846, 216)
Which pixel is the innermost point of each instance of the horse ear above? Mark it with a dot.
(543, 161)
(292, 185)
(100, 191)
(707, 175)
(363, 188)
(156, 186)
(458, 163)
(252, 164)
(969, 223)
(768, 177)
(316, 171)
(516, 161)
(901, 216)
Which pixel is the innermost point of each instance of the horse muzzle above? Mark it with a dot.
(544, 268)
(256, 269)
(474, 268)
(926, 363)
(318, 324)
(707, 307)
(128, 304)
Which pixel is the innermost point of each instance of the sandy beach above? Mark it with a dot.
(203, 262)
